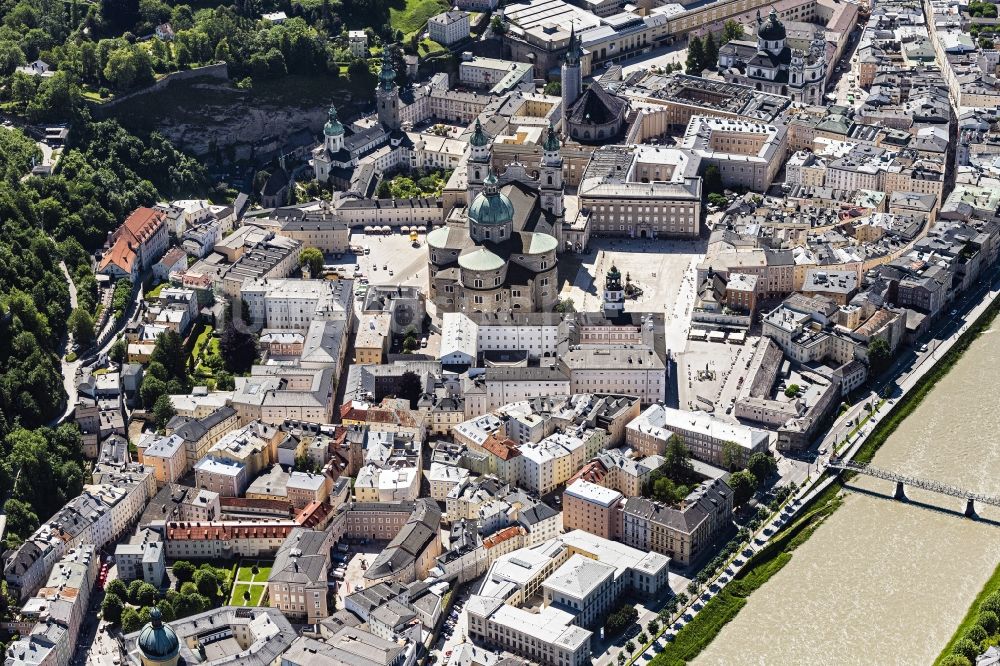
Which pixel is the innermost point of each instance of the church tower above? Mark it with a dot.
(333, 132)
(550, 177)
(478, 165)
(387, 92)
(572, 75)
(614, 295)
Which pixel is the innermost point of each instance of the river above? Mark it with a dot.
(886, 582)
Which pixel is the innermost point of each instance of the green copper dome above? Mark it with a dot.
(491, 206)
(333, 126)
(157, 641)
(479, 137)
(387, 76)
(551, 144)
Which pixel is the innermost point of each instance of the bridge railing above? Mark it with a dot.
(914, 482)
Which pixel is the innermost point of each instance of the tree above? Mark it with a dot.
(146, 595)
(151, 390)
(118, 351)
(731, 30)
(991, 603)
(617, 621)
(112, 607)
(128, 67)
(712, 180)
(130, 620)
(207, 583)
(133, 591)
(677, 459)
(410, 387)
(410, 342)
(553, 88)
(743, 484)
(642, 638)
(989, 621)
(238, 345)
(169, 352)
(695, 56)
(710, 58)
(878, 355)
(163, 411)
(166, 610)
(183, 571)
(967, 649)
(653, 627)
(21, 518)
(81, 326)
(312, 258)
(976, 634)
(731, 455)
(762, 466)
(717, 200)
(683, 599)
(11, 57)
(692, 588)
(565, 305)
(955, 660)
(792, 390)
(118, 588)
(630, 647)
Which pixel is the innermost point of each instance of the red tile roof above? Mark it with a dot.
(194, 531)
(313, 514)
(504, 449)
(142, 223)
(502, 535)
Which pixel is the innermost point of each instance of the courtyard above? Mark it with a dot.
(250, 585)
(663, 269)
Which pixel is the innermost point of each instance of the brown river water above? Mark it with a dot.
(887, 582)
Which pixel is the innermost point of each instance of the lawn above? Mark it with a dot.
(245, 573)
(429, 46)
(256, 594)
(413, 16)
(155, 291)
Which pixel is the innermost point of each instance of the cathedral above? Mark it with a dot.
(499, 252)
(771, 66)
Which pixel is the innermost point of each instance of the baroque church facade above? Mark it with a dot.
(771, 66)
(500, 252)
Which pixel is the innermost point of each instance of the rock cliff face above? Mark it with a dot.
(202, 115)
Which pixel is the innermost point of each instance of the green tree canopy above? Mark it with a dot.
(695, 56)
(112, 607)
(312, 258)
(743, 483)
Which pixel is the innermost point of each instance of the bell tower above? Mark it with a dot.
(387, 92)
(571, 77)
(550, 177)
(333, 132)
(478, 166)
(614, 295)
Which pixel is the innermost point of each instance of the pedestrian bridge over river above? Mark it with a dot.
(902, 481)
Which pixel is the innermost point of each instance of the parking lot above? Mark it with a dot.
(360, 558)
(455, 629)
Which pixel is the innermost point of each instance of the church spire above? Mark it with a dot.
(573, 51)
(387, 75)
